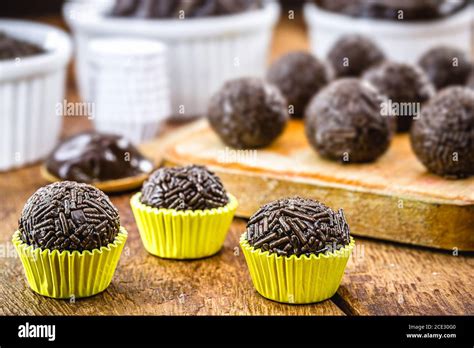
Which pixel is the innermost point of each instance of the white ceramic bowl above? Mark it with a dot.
(30, 90)
(202, 52)
(404, 42)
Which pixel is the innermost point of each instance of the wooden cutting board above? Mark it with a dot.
(392, 199)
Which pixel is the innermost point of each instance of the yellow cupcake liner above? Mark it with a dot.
(187, 234)
(296, 279)
(68, 274)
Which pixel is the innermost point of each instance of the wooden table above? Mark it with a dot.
(381, 278)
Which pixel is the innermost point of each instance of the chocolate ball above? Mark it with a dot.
(179, 8)
(248, 113)
(344, 122)
(351, 55)
(297, 226)
(446, 66)
(412, 10)
(443, 137)
(184, 188)
(91, 157)
(69, 216)
(406, 86)
(299, 76)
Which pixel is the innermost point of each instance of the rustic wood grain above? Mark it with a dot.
(387, 279)
(394, 198)
(143, 284)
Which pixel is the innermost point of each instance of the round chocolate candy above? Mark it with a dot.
(344, 122)
(297, 226)
(446, 66)
(299, 76)
(69, 216)
(182, 8)
(406, 86)
(397, 10)
(443, 137)
(184, 188)
(248, 113)
(94, 157)
(352, 54)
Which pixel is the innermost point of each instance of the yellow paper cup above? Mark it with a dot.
(68, 274)
(187, 234)
(296, 279)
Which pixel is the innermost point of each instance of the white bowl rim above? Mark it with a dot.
(94, 21)
(54, 59)
(316, 16)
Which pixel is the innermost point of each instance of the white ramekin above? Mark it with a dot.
(202, 52)
(404, 42)
(30, 90)
(129, 86)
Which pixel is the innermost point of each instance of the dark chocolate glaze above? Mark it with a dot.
(11, 48)
(91, 157)
(443, 137)
(412, 10)
(175, 9)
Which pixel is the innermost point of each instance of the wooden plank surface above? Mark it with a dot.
(394, 198)
(381, 278)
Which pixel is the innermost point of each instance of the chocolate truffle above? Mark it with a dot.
(297, 226)
(406, 86)
(412, 10)
(443, 137)
(69, 216)
(11, 48)
(298, 75)
(92, 157)
(184, 188)
(176, 9)
(344, 122)
(446, 66)
(351, 55)
(248, 113)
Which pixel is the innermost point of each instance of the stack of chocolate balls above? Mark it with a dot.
(353, 103)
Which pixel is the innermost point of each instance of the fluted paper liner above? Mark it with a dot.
(68, 274)
(296, 279)
(187, 234)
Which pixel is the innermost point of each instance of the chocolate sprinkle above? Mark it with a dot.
(446, 66)
(176, 8)
(184, 188)
(299, 75)
(69, 216)
(443, 137)
(344, 122)
(248, 113)
(298, 226)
